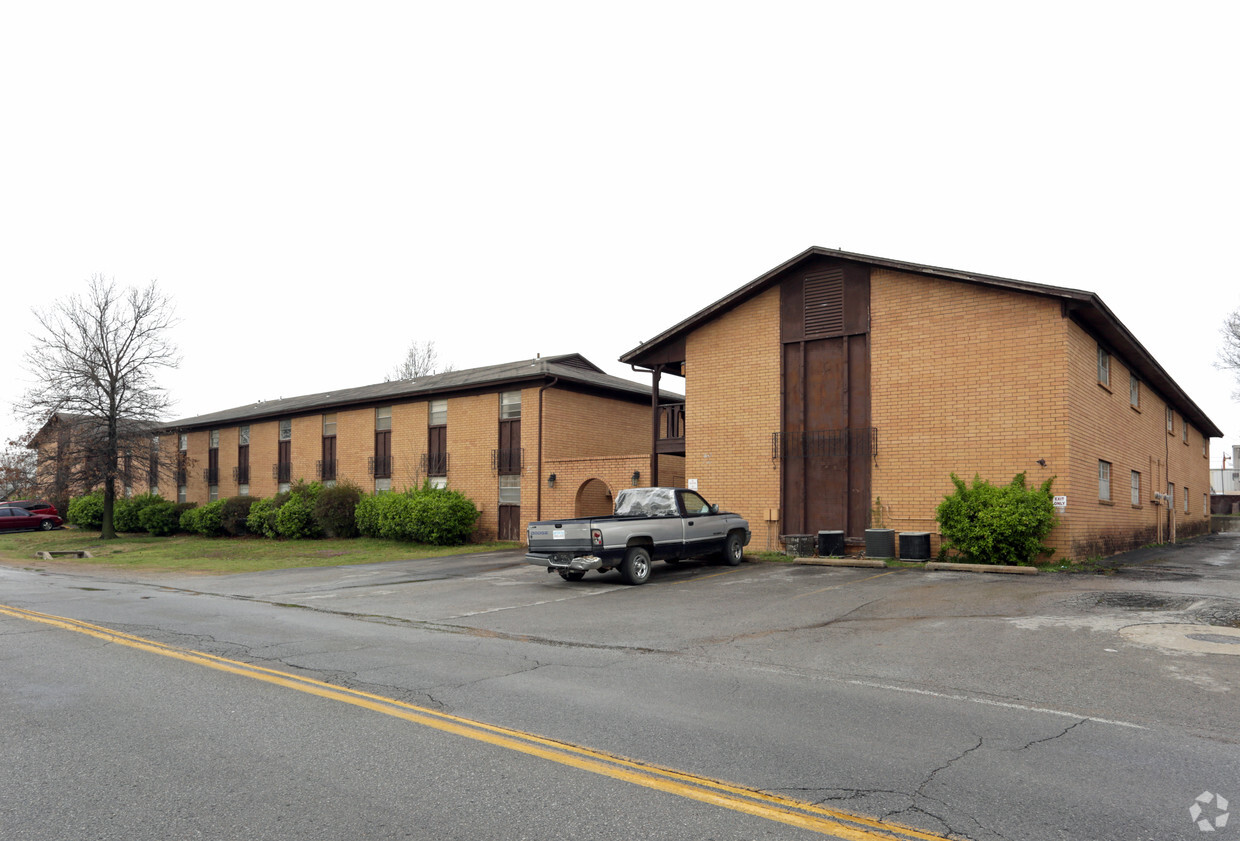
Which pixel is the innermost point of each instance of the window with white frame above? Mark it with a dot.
(1104, 481)
(438, 482)
(383, 485)
(286, 430)
(509, 405)
(438, 413)
(1184, 431)
(244, 436)
(1134, 391)
(1170, 419)
(1170, 495)
(1104, 366)
(510, 489)
(183, 442)
(1136, 488)
(329, 424)
(383, 418)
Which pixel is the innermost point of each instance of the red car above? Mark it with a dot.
(34, 506)
(19, 519)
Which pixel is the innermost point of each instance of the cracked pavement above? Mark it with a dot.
(966, 706)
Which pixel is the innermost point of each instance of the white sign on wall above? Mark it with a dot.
(1061, 502)
(693, 484)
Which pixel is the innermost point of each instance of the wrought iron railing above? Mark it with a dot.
(508, 460)
(326, 470)
(435, 464)
(825, 443)
(282, 471)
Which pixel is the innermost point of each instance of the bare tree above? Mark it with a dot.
(17, 471)
(98, 355)
(422, 360)
(1229, 354)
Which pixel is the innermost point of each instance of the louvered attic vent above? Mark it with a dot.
(824, 303)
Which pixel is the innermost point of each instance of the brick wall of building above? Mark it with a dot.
(577, 425)
(732, 405)
(965, 379)
(1105, 426)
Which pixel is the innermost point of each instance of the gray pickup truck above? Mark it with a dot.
(665, 524)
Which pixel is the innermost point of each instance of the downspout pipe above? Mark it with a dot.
(538, 496)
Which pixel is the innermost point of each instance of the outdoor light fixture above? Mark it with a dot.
(637, 476)
(551, 481)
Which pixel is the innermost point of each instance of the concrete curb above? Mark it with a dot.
(935, 565)
(871, 563)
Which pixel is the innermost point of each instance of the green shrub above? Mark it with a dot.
(207, 520)
(234, 514)
(442, 517)
(127, 513)
(997, 525)
(262, 516)
(160, 518)
(189, 520)
(335, 510)
(424, 515)
(86, 512)
(295, 519)
(367, 515)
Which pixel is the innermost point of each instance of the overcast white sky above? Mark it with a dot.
(318, 185)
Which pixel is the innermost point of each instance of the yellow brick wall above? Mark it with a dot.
(575, 425)
(964, 379)
(579, 425)
(1105, 426)
(732, 406)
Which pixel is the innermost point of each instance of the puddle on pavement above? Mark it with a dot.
(1139, 601)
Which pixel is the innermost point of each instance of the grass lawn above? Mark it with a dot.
(193, 554)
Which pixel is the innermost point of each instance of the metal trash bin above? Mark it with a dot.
(915, 546)
(830, 544)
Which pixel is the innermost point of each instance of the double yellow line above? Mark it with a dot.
(832, 822)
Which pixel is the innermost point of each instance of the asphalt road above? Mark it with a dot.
(478, 697)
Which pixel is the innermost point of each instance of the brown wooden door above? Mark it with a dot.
(510, 522)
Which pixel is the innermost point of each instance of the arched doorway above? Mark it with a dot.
(593, 499)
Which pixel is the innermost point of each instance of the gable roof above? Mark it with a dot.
(570, 368)
(1086, 308)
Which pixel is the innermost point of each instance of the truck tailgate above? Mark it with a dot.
(555, 536)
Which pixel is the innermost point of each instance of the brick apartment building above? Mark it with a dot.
(552, 436)
(840, 391)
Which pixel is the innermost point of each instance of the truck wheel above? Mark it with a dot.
(733, 550)
(572, 576)
(635, 568)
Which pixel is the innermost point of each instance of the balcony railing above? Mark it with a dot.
(241, 475)
(326, 470)
(435, 464)
(282, 471)
(671, 425)
(508, 460)
(380, 467)
(825, 443)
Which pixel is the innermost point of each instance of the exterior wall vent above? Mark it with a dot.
(824, 303)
